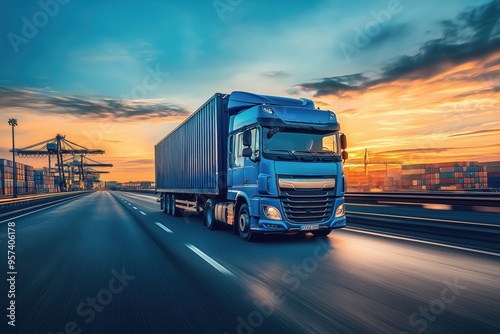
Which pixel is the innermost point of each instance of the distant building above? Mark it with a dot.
(137, 185)
(111, 185)
(130, 185)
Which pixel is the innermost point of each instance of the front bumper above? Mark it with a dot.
(265, 225)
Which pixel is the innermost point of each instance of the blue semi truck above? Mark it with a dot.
(257, 163)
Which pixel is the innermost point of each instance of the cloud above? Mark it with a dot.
(473, 133)
(475, 33)
(46, 102)
(138, 162)
(417, 150)
(275, 74)
(337, 85)
(389, 34)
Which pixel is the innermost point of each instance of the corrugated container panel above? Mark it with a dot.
(447, 169)
(414, 166)
(413, 171)
(494, 182)
(445, 164)
(193, 156)
(448, 187)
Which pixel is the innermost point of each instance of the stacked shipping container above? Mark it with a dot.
(6, 177)
(445, 176)
(44, 181)
(493, 173)
(24, 178)
(381, 180)
(30, 179)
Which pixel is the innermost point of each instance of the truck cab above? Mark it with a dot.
(284, 167)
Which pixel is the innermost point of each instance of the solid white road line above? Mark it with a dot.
(359, 230)
(418, 218)
(211, 261)
(150, 197)
(166, 229)
(32, 212)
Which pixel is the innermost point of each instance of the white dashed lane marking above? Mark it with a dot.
(163, 227)
(208, 259)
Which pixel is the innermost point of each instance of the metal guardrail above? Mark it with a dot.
(144, 191)
(14, 204)
(457, 200)
(480, 236)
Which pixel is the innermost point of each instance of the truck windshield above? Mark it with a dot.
(289, 144)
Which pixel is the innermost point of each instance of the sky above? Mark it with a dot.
(411, 81)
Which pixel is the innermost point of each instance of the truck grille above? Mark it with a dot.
(307, 206)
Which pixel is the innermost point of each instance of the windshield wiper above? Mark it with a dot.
(287, 151)
(330, 154)
(312, 153)
(325, 152)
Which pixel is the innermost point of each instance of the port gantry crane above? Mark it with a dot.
(374, 160)
(83, 167)
(60, 147)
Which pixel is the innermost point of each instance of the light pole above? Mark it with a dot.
(13, 123)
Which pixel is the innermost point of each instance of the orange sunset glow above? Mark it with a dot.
(451, 116)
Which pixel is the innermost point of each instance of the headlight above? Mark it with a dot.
(340, 211)
(271, 212)
(268, 110)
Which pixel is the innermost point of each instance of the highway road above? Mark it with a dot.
(114, 263)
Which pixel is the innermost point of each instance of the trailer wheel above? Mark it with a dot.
(321, 233)
(173, 209)
(209, 219)
(167, 204)
(244, 223)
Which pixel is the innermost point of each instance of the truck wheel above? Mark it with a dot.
(321, 233)
(167, 204)
(209, 219)
(173, 209)
(244, 224)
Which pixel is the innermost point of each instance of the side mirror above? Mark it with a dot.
(343, 141)
(247, 152)
(247, 138)
(272, 132)
(345, 155)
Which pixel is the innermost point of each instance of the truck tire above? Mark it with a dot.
(173, 208)
(321, 233)
(244, 224)
(167, 204)
(163, 205)
(209, 219)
